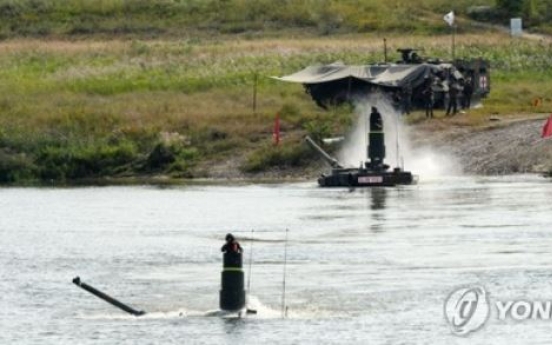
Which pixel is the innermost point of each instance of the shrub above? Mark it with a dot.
(269, 156)
(510, 8)
(483, 13)
(336, 121)
(172, 153)
(15, 167)
(62, 163)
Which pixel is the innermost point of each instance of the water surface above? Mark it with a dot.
(364, 266)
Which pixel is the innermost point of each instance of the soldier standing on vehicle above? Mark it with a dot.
(452, 108)
(428, 96)
(467, 93)
(406, 98)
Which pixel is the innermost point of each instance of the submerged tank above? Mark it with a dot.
(373, 172)
(232, 292)
(405, 81)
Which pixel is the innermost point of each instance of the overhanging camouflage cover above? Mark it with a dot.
(394, 76)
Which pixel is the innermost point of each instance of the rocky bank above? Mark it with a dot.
(494, 146)
(501, 145)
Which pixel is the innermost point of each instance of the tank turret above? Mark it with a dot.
(409, 56)
(232, 292)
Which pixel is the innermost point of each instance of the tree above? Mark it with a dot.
(510, 8)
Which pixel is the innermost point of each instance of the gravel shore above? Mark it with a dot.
(498, 146)
(506, 145)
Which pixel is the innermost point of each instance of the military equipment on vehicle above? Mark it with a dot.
(371, 173)
(404, 81)
(232, 292)
(78, 282)
(232, 296)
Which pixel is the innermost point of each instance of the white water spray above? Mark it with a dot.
(427, 162)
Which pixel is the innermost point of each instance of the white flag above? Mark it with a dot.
(449, 18)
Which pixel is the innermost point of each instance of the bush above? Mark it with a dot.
(172, 154)
(62, 163)
(510, 8)
(269, 156)
(483, 13)
(15, 167)
(334, 122)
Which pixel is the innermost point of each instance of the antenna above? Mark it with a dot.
(284, 309)
(365, 135)
(250, 263)
(397, 130)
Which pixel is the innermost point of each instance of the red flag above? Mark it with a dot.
(276, 131)
(547, 129)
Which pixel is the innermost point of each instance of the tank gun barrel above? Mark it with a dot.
(78, 282)
(329, 159)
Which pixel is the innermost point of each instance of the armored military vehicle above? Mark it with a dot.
(404, 81)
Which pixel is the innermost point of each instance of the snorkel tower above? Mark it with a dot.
(371, 173)
(232, 292)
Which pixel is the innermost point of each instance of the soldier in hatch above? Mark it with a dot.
(231, 245)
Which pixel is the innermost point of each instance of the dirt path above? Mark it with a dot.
(506, 29)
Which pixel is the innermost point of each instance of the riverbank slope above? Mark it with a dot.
(510, 144)
(498, 145)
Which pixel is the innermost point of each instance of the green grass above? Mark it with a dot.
(153, 18)
(96, 107)
(205, 18)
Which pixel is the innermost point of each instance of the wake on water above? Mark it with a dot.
(263, 312)
(428, 163)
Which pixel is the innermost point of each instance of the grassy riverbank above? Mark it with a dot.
(187, 18)
(190, 18)
(183, 107)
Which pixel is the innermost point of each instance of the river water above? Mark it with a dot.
(370, 266)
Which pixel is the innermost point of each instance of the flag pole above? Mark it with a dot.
(453, 41)
(255, 79)
(385, 50)
(449, 18)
